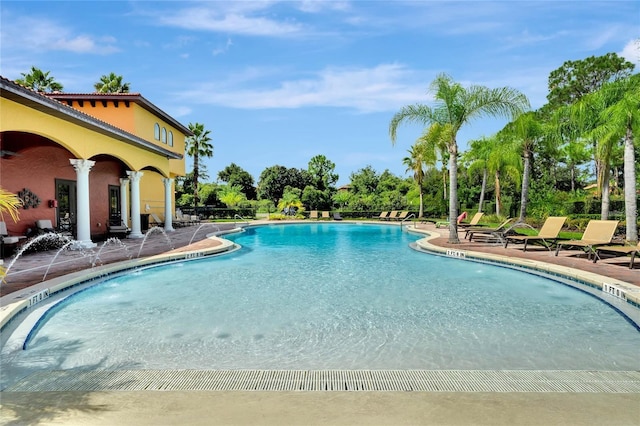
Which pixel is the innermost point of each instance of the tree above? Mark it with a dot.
(435, 141)
(39, 81)
(478, 157)
(111, 83)
(274, 179)
(290, 201)
(415, 163)
(503, 161)
(321, 171)
(574, 79)
(9, 203)
(232, 195)
(364, 181)
(524, 134)
(620, 120)
(235, 175)
(457, 106)
(198, 146)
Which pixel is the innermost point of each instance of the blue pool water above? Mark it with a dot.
(329, 296)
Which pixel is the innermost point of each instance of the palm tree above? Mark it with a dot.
(478, 156)
(620, 120)
(457, 106)
(524, 134)
(9, 203)
(198, 146)
(415, 162)
(111, 83)
(39, 81)
(503, 161)
(435, 140)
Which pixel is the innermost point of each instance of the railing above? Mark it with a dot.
(237, 216)
(405, 219)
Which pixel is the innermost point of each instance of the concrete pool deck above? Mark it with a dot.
(306, 408)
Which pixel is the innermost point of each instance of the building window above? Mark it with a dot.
(156, 131)
(164, 135)
(170, 138)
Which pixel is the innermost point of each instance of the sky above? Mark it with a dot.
(279, 82)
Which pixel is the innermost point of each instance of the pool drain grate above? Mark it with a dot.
(333, 380)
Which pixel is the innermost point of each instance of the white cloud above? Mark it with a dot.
(381, 88)
(315, 6)
(235, 20)
(222, 49)
(631, 52)
(40, 34)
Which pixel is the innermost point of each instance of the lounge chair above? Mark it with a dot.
(461, 217)
(325, 215)
(313, 214)
(547, 236)
(498, 232)
(403, 215)
(156, 220)
(117, 228)
(392, 215)
(383, 216)
(336, 216)
(618, 251)
(44, 226)
(598, 233)
(473, 222)
(8, 240)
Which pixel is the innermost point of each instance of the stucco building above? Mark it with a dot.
(85, 161)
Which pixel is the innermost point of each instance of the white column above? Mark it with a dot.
(134, 178)
(168, 225)
(124, 206)
(83, 219)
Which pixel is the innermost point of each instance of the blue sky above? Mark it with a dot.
(279, 82)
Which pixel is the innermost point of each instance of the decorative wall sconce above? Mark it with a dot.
(29, 199)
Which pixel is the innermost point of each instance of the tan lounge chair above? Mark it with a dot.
(156, 220)
(325, 215)
(598, 233)
(383, 216)
(547, 236)
(497, 232)
(618, 251)
(403, 215)
(313, 214)
(393, 215)
(473, 222)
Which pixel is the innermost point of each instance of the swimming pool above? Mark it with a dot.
(328, 296)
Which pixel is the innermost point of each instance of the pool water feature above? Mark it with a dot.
(328, 296)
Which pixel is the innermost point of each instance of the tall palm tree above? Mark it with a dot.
(198, 146)
(478, 157)
(524, 134)
(503, 161)
(620, 120)
(415, 163)
(457, 106)
(39, 81)
(111, 83)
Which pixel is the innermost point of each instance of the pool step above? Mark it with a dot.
(572, 381)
